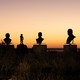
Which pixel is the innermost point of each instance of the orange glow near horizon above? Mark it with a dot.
(51, 17)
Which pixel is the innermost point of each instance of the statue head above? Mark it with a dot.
(40, 34)
(70, 32)
(21, 34)
(7, 35)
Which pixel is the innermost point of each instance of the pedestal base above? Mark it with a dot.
(21, 48)
(70, 57)
(6, 49)
(70, 48)
(39, 48)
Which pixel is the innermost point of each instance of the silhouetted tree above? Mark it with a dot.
(39, 39)
(7, 40)
(70, 36)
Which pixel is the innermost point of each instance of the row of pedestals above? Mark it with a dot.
(42, 48)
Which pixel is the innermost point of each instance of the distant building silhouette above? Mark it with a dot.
(70, 36)
(7, 40)
(21, 39)
(39, 39)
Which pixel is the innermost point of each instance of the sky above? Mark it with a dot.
(51, 17)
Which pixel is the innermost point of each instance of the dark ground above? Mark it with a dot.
(53, 65)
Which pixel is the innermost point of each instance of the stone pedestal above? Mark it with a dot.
(21, 48)
(6, 49)
(39, 49)
(70, 57)
(70, 48)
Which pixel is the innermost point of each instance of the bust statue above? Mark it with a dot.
(70, 36)
(7, 40)
(39, 39)
(21, 39)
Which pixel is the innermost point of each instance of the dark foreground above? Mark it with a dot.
(52, 65)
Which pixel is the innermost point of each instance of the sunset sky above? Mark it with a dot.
(51, 17)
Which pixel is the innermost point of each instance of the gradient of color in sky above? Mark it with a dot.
(51, 17)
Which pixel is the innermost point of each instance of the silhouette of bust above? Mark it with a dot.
(7, 40)
(70, 36)
(39, 39)
(21, 39)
